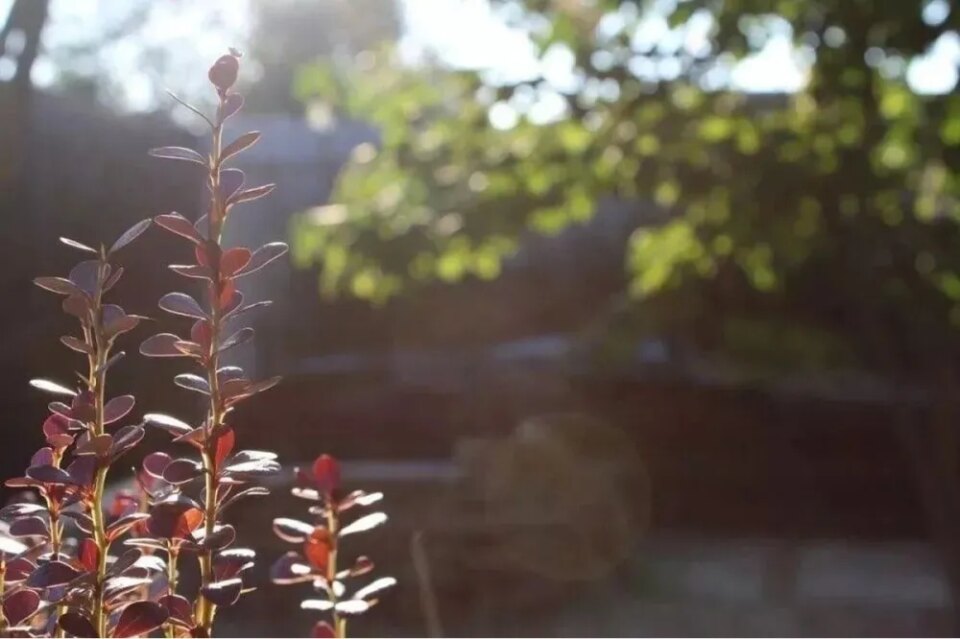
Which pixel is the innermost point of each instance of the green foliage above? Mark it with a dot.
(834, 206)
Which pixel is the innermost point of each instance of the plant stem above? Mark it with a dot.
(3, 586)
(339, 622)
(97, 385)
(205, 609)
(169, 630)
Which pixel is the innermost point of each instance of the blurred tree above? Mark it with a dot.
(802, 230)
(833, 206)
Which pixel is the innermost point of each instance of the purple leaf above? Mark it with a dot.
(140, 618)
(245, 141)
(230, 182)
(192, 382)
(43, 457)
(113, 279)
(253, 491)
(86, 275)
(155, 462)
(81, 470)
(118, 408)
(263, 256)
(125, 439)
(130, 235)
(178, 153)
(50, 475)
(97, 446)
(59, 285)
(231, 104)
(240, 310)
(21, 509)
(255, 193)
(167, 423)
(176, 223)
(251, 469)
(76, 344)
(192, 270)
(31, 526)
(223, 593)
(221, 537)
(182, 304)
(77, 304)
(161, 345)
(178, 608)
(180, 471)
(242, 336)
(52, 573)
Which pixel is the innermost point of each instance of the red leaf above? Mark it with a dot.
(18, 606)
(73, 623)
(89, 554)
(226, 294)
(140, 618)
(326, 473)
(231, 180)
(225, 444)
(317, 549)
(188, 521)
(233, 260)
(201, 333)
(323, 630)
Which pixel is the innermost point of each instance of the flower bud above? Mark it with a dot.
(223, 73)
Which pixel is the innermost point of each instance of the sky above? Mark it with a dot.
(462, 33)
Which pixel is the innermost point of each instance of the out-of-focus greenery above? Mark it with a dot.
(831, 211)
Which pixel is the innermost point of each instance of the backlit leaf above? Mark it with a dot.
(51, 387)
(161, 345)
(245, 141)
(118, 408)
(292, 530)
(223, 593)
(182, 304)
(178, 153)
(130, 235)
(365, 523)
(263, 256)
(176, 223)
(59, 285)
(77, 245)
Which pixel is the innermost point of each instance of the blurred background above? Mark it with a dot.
(643, 313)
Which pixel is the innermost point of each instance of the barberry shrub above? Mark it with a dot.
(72, 564)
(321, 563)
